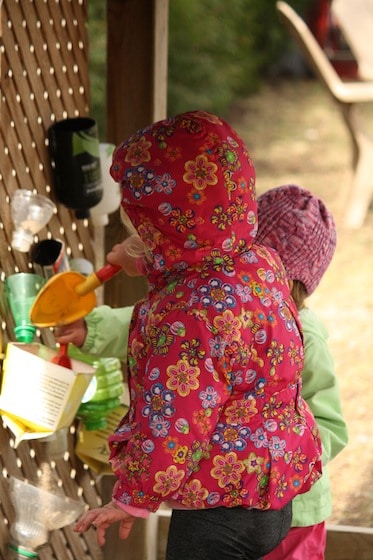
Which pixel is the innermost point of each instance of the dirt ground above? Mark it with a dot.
(296, 134)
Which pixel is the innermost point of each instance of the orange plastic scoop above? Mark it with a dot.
(68, 296)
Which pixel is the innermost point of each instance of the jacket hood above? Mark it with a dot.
(188, 186)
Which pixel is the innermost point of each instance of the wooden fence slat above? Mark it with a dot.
(345, 542)
(44, 77)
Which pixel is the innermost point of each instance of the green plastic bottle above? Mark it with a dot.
(104, 391)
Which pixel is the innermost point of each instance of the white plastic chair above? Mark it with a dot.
(348, 95)
(355, 19)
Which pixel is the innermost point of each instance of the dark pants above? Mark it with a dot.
(226, 533)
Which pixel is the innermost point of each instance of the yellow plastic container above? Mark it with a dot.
(92, 445)
(37, 394)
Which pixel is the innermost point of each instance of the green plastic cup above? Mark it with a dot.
(21, 290)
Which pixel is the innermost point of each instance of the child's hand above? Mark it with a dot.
(75, 333)
(102, 518)
(126, 255)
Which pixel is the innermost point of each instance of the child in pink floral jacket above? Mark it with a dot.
(217, 427)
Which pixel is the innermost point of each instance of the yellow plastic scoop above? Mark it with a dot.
(68, 296)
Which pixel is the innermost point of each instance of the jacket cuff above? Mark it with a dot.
(134, 511)
(91, 322)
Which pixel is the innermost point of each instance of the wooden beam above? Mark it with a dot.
(137, 48)
(345, 542)
(137, 52)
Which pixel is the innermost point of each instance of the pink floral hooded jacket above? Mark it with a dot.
(215, 352)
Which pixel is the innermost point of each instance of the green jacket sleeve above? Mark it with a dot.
(320, 386)
(108, 330)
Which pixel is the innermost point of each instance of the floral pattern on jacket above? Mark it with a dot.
(215, 350)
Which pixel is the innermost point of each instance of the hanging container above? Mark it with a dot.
(21, 290)
(75, 159)
(111, 190)
(104, 392)
(37, 395)
(92, 446)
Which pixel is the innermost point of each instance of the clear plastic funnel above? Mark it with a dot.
(30, 213)
(38, 511)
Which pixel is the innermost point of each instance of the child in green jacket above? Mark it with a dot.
(301, 229)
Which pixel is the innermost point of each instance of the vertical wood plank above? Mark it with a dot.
(137, 47)
(136, 96)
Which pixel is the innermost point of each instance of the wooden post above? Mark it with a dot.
(137, 45)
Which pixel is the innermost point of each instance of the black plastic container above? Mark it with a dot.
(75, 159)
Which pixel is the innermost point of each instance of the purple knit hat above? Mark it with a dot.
(301, 229)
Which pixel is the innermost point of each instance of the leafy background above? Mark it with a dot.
(219, 52)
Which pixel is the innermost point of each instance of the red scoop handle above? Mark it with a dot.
(97, 278)
(107, 272)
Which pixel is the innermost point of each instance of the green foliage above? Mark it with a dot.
(97, 62)
(204, 70)
(218, 51)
